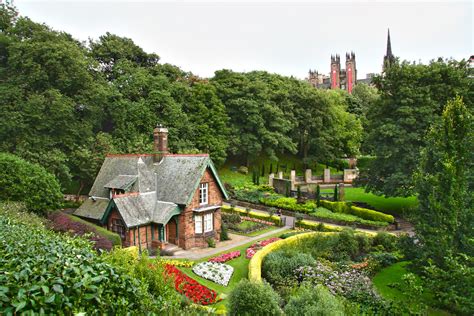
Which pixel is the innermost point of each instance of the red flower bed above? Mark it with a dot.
(191, 288)
(63, 223)
(225, 257)
(250, 252)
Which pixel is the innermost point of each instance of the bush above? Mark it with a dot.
(211, 242)
(279, 266)
(253, 299)
(224, 235)
(47, 272)
(317, 226)
(346, 218)
(102, 238)
(30, 183)
(231, 218)
(386, 240)
(289, 203)
(311, 300)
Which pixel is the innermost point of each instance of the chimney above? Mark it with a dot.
(160, 142)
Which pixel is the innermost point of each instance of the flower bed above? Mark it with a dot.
(225, 257)
(178, 263)
(191, 288)
(250, 252)
(214, 271)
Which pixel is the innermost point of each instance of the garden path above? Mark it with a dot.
(236, 241)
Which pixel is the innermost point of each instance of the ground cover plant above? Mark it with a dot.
(49, 272)
(102, 238)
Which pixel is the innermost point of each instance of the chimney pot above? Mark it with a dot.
(160, 141)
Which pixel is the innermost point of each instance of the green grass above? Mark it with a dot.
(392, 205)
(245, 224)
(393, 275)
(240, 265)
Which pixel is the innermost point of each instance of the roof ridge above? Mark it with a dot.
(186, 155)
(125, 194)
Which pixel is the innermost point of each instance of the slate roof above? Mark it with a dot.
(161, 188)
(121, 182)
(177, 177)
(92, 209)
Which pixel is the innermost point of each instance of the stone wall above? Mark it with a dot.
(281, 185)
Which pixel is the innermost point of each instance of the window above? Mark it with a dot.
(118, 227)
(208, 225)
(198, 224)
(203, 192)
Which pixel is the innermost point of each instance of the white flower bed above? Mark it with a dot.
(219, 273)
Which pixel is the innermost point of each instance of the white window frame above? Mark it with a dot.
(198, 224)
(208, 220)
(204, 193)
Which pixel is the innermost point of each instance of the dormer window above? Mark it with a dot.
(203, 193)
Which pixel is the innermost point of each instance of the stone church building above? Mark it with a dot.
(151, 200)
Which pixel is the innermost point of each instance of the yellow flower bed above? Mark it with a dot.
(178, 263)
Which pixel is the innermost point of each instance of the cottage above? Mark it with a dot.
(154, 199)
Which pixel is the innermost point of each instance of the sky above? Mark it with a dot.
(283, 37)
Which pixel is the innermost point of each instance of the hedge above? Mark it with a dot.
(274, 219)
(317, 226)
(113, 237)
(255, 264)
(289, 204)
(365, 213)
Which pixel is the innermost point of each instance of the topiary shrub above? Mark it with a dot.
(253, 299)
(311, 300)
(224, 234)
(30, 183)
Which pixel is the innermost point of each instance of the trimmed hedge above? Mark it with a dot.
(365, 213)
(317, 226)
(288, 203)
(274, 219)
(113, 237)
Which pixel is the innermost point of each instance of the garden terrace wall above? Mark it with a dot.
(310, 217)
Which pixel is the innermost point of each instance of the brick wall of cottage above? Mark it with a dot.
(187, 237)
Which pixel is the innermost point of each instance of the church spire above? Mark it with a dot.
(389, 58)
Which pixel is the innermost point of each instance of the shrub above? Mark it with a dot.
(231, 218)
(289, 203)
(211, 242)
(224, 235)
(253, 299)
(22, 181)
(317, 226)
(278, 266)
(345, 247)
(386, 240)
(49, 272)
(102, 238)
(311, 300)
(347, 218)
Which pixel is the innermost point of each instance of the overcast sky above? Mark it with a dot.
(281, 37)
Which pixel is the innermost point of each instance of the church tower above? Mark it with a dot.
(335, 71)
(389, 58)
(351, 71)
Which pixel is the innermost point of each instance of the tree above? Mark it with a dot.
(318, 196)
(412, 97)
(445, 181)
(29, 183)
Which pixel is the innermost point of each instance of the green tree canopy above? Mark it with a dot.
(29, 183)
(412, 97)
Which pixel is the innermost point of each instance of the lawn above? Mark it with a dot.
(247, 224)
(241, 269)
(392, 205)
(386, 278)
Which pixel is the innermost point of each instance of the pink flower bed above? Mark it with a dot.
(250, 252)
(225, 257)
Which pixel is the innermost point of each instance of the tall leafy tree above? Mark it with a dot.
(412, 96)
(445, 182)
